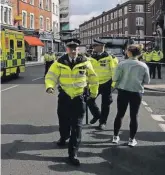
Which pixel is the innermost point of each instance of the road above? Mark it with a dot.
(30, 131)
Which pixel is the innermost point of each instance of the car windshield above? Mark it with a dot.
(115, 51)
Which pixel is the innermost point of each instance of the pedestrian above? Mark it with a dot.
(104, 65)
(72, 72)
(156, 57)
(147, 59)
(130, 76)
(49, 59)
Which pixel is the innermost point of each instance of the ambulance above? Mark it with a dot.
(12, 53)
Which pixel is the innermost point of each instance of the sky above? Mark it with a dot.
(83, 10)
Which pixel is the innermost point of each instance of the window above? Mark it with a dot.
(103, 18)
(41, 22)
(120, 24)
(5, 13)
(100, 20)
(139, 8)
(1, 14)
(115, 14)
(47, 5)
(126, 33)
(139, 21)
(10, 16)
(107, 27)
(120, 12)
(19, 44)
(100, 29)
(31, 21)
(107, 17)
(111, 26)
(115, 25)
(24, 19)
(47, 24)
(111, 15)
(32, 2)
(125, 10)
(41, 4)
(103, 28)
(97, 30)
(53, 8)
(126, 22)
(140, 33)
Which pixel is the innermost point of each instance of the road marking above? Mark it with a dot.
(158, 118)
(37, 78)
(149, 109)
(144, 103)
(9, 88)
(162, 126)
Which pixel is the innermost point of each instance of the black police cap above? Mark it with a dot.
(70, 42)
(97, 43)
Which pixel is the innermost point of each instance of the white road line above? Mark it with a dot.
(158, 118)
(144, 103)
(37, 78)
(162, 126)
(149, 109)
(9, 88)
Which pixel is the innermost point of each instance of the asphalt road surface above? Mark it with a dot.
(30, 131)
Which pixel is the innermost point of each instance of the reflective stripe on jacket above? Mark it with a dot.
(73, 81)
(49, 57)
(104, 68)
(156, 55)
(147, 56)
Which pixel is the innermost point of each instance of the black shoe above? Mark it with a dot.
(74, 161)
(102, 127)
(93, 121)
(61, 142)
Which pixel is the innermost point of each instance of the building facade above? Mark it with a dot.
(56, 24)
(126, 19)
(64, 14)
(158, 22)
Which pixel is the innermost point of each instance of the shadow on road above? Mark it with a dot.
(143, 159)
(124, 134)
(27, 129)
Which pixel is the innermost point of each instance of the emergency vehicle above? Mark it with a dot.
(12, 53)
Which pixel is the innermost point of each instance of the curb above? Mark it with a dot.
(155, 90)
(35, 64)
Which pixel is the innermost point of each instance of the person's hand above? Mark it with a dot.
(50, 91)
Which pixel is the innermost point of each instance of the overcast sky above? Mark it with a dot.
(83, 10)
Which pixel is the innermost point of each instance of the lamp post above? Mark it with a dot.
(145, 18)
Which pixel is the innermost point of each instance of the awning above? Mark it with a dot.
(33, 41)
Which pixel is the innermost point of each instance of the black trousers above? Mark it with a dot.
(134, 100)
(70, 114)
(150, 68)
(47, 65)
(105, 92)
(157, 66)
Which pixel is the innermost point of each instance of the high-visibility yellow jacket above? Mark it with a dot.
(156, 55)
(73, 81)
(115, 60)
(104, 68)
(147, 56)
(49, 57)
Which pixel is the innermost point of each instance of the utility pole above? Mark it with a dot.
(145, 18)
(18, 9)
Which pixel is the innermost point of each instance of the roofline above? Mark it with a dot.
(111, 10)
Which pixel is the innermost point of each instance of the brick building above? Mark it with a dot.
(125, 19)
(158, 22)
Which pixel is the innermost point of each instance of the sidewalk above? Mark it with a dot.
(157, 84)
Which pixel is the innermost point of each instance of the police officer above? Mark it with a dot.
(103, 65)
(71, 73)
(49, 59)
(156, 57)
(130, 77)
(147, 59)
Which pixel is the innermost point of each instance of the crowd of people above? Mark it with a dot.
(99, 73)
